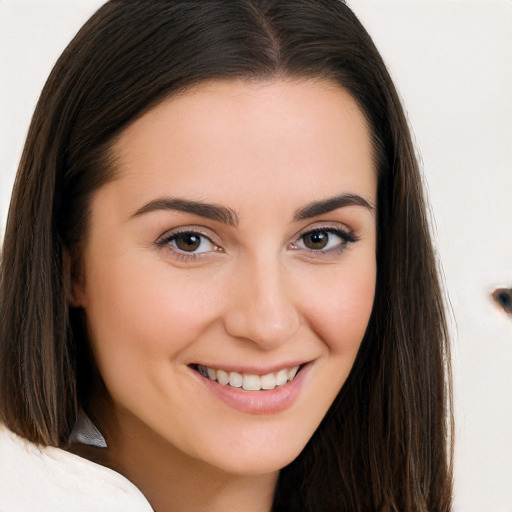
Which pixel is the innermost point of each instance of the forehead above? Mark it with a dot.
(234, 139)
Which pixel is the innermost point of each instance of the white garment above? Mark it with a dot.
(48, 479)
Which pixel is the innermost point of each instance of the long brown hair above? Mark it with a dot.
(385, 444)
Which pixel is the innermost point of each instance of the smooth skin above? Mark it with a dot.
(269, 282)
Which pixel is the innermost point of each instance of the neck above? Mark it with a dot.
(171, 480)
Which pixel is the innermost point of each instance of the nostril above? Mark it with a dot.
(503, 297)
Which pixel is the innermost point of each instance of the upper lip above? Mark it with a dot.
(252, 368)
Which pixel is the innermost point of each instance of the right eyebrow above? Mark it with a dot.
(210, 211)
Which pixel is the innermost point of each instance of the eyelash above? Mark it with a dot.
(346, 237)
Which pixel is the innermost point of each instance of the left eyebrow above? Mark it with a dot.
(333, 203)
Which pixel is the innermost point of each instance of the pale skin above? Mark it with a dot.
(281, 274)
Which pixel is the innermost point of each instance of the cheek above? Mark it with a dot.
(341, 308)
(138, 313)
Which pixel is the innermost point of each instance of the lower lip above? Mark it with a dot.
(258, 402)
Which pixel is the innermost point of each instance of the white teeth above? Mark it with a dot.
(222, 377)
(292, 372)
(249, 381)
(268, 381)
(281, 377)
(235, 379)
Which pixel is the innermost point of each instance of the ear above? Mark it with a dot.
(75, 275)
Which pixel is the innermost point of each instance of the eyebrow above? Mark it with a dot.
(230, 217)
(210, 211)
(333, 203)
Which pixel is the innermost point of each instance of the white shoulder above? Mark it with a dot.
(49, 479)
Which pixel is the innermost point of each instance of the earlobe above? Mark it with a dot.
(76, 281)
(77, 295)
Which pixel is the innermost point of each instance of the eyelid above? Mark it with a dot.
(185, 229)
(326, 226)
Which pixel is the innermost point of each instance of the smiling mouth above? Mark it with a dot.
(248, 381)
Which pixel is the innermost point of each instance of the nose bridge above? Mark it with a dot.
(263, 308)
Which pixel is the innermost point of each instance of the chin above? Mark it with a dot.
(257, 463)
(257, 455)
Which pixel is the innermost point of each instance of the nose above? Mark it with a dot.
(262, 308)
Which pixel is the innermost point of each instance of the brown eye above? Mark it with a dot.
(316, 240)
(188, 242)
(325, 241)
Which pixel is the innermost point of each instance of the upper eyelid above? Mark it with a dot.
(325, 226)
(186, 229)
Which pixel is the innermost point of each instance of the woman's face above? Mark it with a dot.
(236, 243)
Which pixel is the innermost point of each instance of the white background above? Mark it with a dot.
(452, 63)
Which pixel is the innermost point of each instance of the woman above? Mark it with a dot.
(218, 286)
